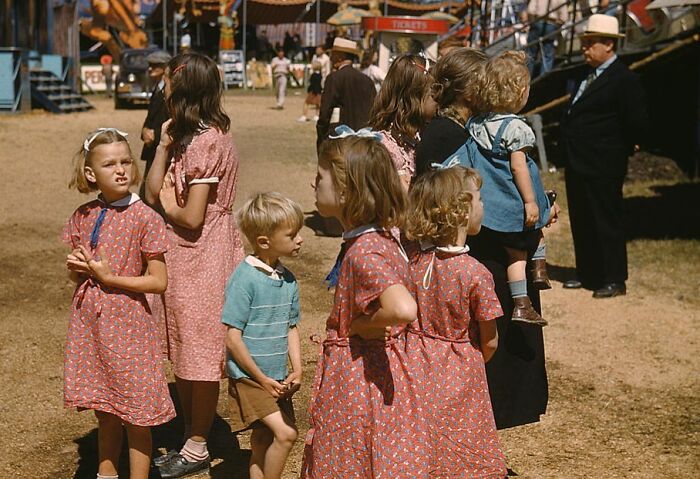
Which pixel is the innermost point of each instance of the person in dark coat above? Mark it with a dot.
(346, 89)
(606, 118)
(157, 111)
(516, 374)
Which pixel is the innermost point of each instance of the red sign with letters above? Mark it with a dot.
(405, 25)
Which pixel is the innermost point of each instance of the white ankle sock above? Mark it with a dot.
(194, 451)
(102, 476)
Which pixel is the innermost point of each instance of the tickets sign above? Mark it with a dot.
(406, 25)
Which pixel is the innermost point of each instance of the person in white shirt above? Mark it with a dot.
(325, 61)
(280, 69)
(369, 68)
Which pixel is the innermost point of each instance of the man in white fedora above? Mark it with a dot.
(347, 91)
(606, 118)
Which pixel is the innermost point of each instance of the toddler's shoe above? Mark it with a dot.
(302, 119)
(540, 279)
(165, 458)
(525, 313)
(178, 467)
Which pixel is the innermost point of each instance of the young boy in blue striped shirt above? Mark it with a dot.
(261, 311)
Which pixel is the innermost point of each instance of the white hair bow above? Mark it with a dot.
(449, 163)
(88, 141)
(343, 131)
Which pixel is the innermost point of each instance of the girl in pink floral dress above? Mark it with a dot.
(196, 192)
(401, 110)
(365, 421)
(112, 362)
(456, 331)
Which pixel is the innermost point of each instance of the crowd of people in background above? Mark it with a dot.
(434, 339)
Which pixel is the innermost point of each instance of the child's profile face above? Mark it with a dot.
(111, 169)
(476, 214)
(285, 242)
(327, 197)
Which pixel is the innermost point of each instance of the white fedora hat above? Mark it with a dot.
(600, 25)
(345, 45)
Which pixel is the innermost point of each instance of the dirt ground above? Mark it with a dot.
(624, 389)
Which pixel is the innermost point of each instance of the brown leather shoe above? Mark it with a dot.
(524, 312)
(540, 279)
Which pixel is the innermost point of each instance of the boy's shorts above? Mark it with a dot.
(249, 403)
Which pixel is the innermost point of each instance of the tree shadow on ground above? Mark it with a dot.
(322, 226)
(673, 214)
(223, 445)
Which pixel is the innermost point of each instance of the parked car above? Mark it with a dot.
(132, 85)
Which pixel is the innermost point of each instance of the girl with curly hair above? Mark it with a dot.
(456, 329)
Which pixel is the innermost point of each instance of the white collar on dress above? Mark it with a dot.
(361, 230)
(274, 273)
(453, 250)
(129, 199)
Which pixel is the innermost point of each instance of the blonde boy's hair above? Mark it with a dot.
(83, 158)
(362, 171)
(440, 203)
(264, 213)
(505, 80)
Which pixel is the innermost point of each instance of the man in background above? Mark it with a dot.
(157, 110)
(605, 120)
(280, 69)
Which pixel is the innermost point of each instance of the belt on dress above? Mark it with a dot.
(435, 336)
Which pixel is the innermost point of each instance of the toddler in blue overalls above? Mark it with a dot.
(516, 206)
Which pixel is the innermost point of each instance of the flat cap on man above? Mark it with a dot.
(158, 57)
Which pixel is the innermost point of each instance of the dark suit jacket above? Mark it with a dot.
(157, 115)
(350, 90)
(600, 130)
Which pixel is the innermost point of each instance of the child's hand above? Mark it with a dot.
(76, 262)
(292, 384)
(167, 197)
(165, 138)
(148, 135)
(98, 266)
(532, 213)
(274, 388)
(364, 328)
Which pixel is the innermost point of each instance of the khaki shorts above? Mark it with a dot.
(249, 403)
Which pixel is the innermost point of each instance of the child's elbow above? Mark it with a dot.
(192, 223)
(405, 312)
(161, 286)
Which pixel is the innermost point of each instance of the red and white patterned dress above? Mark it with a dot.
(452, 299)
(112, 357)
(200, 261)
(365, 420)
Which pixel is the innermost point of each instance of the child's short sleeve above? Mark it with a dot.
(204, 159)
(373, 274)
(71, 231)
(237, 303)
(295, 310)
(153, 238)
(483, 302)
(518, 135)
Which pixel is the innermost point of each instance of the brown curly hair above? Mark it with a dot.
(440, 203)
(364, 174)
(399, 104)
(505, 80)
(458, 76)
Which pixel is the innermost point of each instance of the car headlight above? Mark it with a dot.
(132, 77)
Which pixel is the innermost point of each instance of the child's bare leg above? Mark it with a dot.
(184, 394)
(109, 443)
(517, 260)
(260, 441)
(139, 450)
(284, 434)
(306, 110)
(205, 395)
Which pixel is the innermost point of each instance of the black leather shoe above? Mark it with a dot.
(573, 284)
(178, 467)
(165, 458)
(610, 290)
